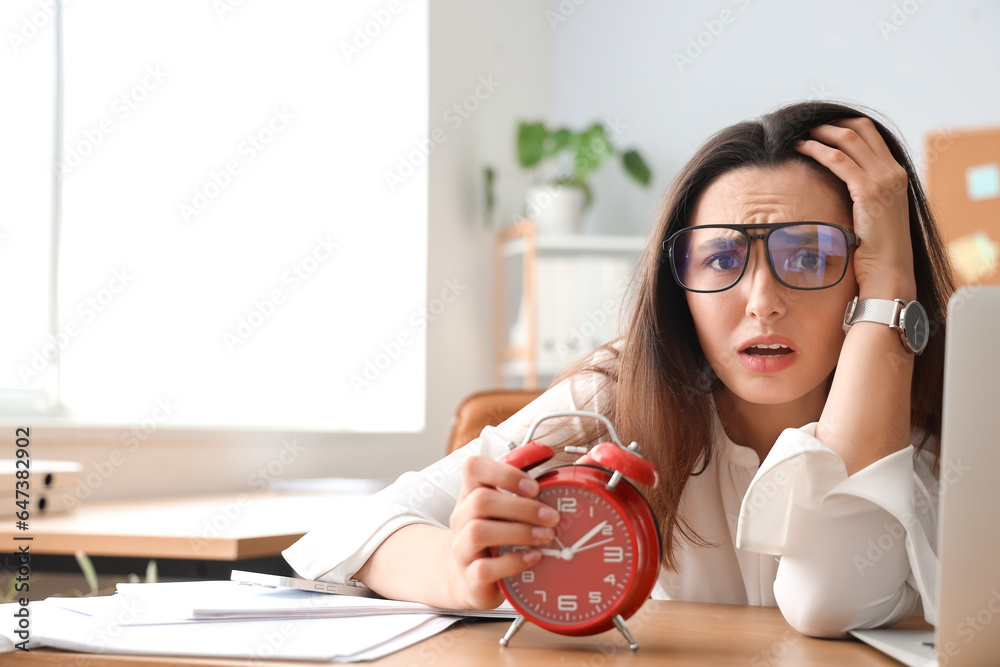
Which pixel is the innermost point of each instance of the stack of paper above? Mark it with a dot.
(226, 619)
(230, 601)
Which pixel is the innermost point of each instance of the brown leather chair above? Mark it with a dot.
(485, 408)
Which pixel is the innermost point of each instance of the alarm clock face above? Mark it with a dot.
(586, 572)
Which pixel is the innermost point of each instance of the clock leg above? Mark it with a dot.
(622, 628)
(512, 630)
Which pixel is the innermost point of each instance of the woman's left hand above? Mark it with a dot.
(855, 152)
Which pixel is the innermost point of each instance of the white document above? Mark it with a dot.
(331, 639)
(118, 625)
(228, 600)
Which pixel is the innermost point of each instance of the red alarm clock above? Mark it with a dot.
(605, 557)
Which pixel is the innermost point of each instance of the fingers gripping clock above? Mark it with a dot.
(605, 557)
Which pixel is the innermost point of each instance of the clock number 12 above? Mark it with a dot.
(567, 505)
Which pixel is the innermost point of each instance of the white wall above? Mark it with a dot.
(508, 46)
(925, 64)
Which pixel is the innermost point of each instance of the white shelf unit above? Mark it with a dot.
(523, 361)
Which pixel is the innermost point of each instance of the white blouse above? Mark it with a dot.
(834, 552)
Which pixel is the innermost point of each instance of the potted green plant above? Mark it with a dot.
(563, 160)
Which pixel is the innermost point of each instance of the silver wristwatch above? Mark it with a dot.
(909, 319)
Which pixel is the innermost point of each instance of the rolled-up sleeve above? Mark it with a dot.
(855, 551)
(336, 551)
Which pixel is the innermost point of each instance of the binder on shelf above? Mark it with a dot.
(50, 486)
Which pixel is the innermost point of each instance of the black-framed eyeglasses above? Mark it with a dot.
(801, 255)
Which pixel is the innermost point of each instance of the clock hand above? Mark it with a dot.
(567, 554)
(555, 553)
(595, 544)
(586, 538)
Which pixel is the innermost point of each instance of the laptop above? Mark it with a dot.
(968, 629)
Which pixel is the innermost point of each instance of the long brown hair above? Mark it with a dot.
(662, 382)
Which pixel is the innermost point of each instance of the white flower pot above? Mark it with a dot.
(556, 209)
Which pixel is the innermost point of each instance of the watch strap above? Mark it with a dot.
(882, 311)
(909, 320)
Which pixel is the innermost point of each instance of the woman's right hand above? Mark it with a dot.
(486, 516)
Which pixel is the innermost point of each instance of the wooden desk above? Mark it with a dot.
(198, 537)
(214, 527)
(674, 633)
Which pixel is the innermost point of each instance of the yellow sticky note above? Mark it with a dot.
(975, 256)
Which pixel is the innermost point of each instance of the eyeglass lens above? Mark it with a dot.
(806, 256)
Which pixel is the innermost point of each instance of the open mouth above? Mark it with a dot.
(764, 350)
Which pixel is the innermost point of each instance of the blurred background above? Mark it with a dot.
(240, 232)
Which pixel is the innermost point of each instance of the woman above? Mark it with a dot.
(775, 433)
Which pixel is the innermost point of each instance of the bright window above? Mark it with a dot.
(231, 244)
(27, 68)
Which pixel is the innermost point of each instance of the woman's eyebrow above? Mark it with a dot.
(719, 243)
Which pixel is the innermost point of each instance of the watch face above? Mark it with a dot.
(586, 571)
(916, 326)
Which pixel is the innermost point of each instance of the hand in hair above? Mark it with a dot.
(867, 412)
(855, 152)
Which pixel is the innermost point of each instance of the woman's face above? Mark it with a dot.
(759, 310)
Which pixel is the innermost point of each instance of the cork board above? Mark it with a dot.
(963, 185)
